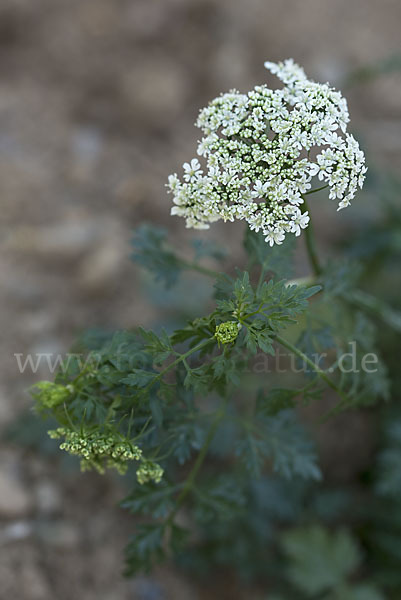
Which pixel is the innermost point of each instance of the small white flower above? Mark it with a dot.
(192, 169)
(335, 141)
(177, 210)
(274, 236)
(260, 189)
(202, 148)
(345, 202)
(299, 222)
(288, 71)
(173, 183)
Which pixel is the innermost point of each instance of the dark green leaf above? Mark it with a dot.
(145, 548)
(277, 259)
(320, 560)
(152, 253)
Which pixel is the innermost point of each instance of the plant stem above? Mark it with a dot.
(177, 361)
(311, 244)
(318, 370)
(361, 299)
(323, 187)
(376, 307)
(261, 277)
(190, 481)
(193, 266)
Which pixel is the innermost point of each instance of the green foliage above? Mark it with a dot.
(209, 249)
(218, 498)
(159, 346)
(314, 342)
(148, 499)
(389, 462)
(319, 560)
(340, 276)
(322, 562)
(271, 402)
(382, 537)
(281, 439)
(214, 444)
(276, 259)
(151, 252)
(145, 548)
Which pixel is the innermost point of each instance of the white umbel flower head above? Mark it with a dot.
(257, 156)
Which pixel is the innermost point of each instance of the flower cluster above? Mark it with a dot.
(49, 395)
(149, 471)
(227, 332)
(262, 150)
(98, 450)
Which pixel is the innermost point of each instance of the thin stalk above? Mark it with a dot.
(376, 307)
(182, 357)
(190, 481)
(311, 243)
(322, 374)
(261, 277)
(361, 299)
(323, 187)
(193, 266)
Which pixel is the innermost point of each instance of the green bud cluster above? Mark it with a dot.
(50, 395)
(98, 450)
(149, 471)
(227, 332)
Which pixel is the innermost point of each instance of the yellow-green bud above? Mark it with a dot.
(149, 471)
(50, 395)
(227, 332)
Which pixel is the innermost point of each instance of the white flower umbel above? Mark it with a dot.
(261, 152)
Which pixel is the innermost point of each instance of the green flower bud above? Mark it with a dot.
(227, 332)
(50, 395)
(149, 471)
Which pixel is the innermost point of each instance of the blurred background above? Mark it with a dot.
(97, 105)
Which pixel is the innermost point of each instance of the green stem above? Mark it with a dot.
(78, 377)
(376, 307)
(311, 243)
(193, 266)
(364, 301)
(261, 277)
(252, 314)
(182, 357)
(323, 187)
(190, 481)
(318, 371)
